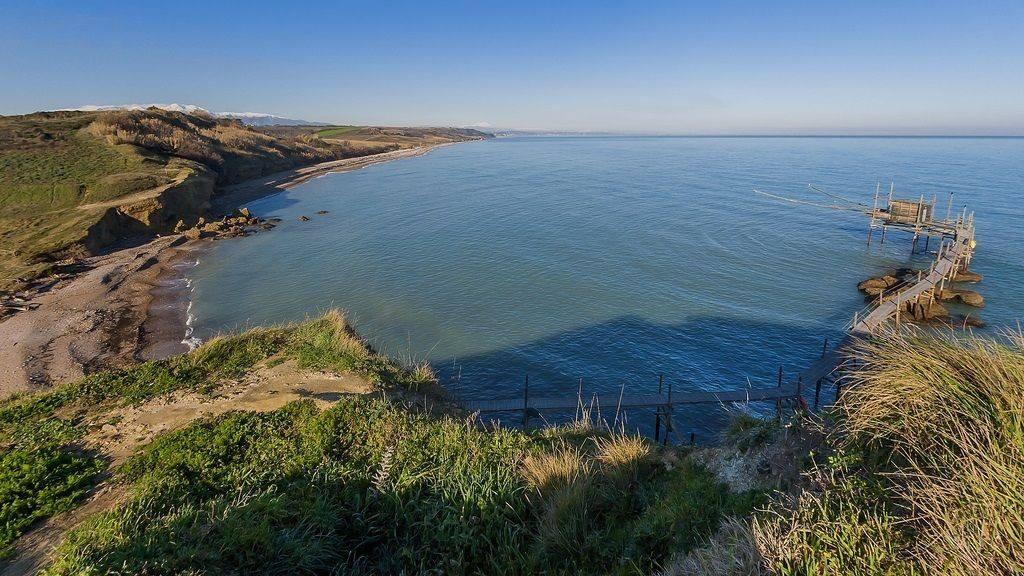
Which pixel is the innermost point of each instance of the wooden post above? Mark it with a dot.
(824, 348)
(579, 399)
(874, 210)
(780, 378)
(839, 389)
(817, 393)
(657, 410)
(669, 426)
(526, 402)
(693, 438)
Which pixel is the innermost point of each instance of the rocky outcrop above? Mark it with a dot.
(872, 287)
(238, 224)
(875, 286)
(924, 311)
(966, 297)
(967, 276)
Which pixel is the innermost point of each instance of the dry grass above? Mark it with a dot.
(732, 551)
(174, 134)
(926, 467)
(549, 472)
(622, 450)
(343, 337)
(952, 414)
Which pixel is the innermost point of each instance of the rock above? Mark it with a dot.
(201, 222)
(273, 220)
(267, 226)
(303, 218)
(926, 312)
(322, 212)
(971, 298)
(193, 233)
(213, 227)
(244, 212)
(967, 322)
(180, 227)
(967, 276)
(967, 297)
(874, 286)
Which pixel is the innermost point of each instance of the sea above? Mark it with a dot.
(613, 263)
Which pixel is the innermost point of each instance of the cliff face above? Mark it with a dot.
(186, 201)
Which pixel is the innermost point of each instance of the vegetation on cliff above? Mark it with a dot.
(381, 484)
(921, 469)
(917, 470)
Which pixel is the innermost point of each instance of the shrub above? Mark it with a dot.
(927, 469)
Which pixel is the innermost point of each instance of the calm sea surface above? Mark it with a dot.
(609, 259)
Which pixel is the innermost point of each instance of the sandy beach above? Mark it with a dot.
(130, 304)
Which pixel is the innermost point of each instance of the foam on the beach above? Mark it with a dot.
(191, 341)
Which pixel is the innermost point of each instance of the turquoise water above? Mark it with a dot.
(608, 259)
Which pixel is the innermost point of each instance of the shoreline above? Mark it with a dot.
(131, 304)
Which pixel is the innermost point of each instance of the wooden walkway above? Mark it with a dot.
(949, 262)
(617, 401)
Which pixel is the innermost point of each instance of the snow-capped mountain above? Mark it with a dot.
(260, 119)
(186, 108)
(250, 118)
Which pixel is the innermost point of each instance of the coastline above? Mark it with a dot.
(131, 304)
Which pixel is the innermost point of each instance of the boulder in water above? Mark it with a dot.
(966, 297)
(967, 276)
(875, 286)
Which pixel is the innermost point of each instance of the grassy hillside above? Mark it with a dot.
(373, 485)
(61, 172)
(918, 470)
(358, 139)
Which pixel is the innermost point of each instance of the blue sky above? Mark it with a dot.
(672, 67)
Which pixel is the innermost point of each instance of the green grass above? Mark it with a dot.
(369, 486)
(43, 467)
(337, 131)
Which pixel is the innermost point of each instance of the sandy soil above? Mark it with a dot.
(118, 437)
(128, 305)
(90, 321)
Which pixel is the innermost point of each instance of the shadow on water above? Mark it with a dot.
(629, 353)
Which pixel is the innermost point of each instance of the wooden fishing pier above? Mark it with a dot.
(956, 244)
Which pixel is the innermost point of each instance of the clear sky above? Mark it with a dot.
(664, 67)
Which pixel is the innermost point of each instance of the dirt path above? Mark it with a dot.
(183, 175)
(117, 439)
